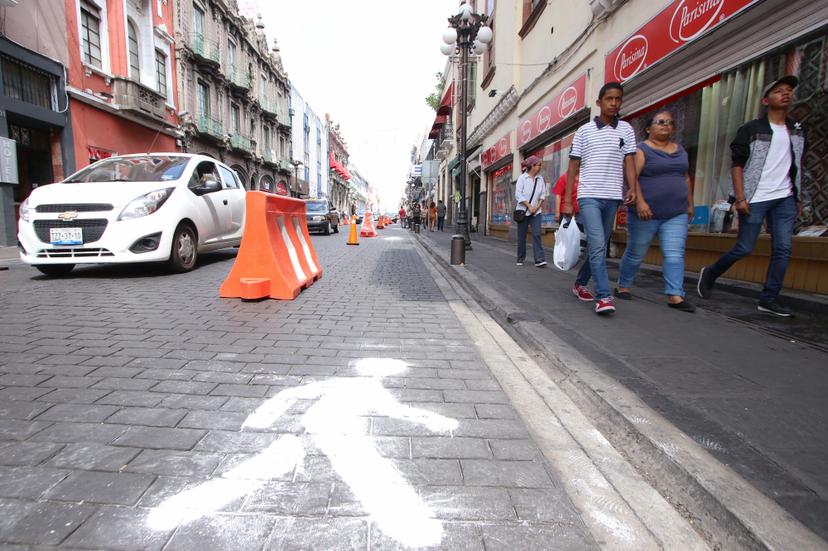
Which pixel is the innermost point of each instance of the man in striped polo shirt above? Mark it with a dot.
(602, 153)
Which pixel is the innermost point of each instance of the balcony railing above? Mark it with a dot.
(135, 97)
(204, 49)
(269, 107)
(285, 165)
(208, 125)
(238, 79)
(241, 142)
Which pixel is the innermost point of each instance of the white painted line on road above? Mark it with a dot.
(620, 509)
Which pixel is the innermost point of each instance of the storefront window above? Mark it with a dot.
(503, 195)
(708, 118)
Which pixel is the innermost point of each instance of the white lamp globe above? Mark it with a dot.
(465, 12)
(447, 49)
(479, 47)
(450, 35)
(484, 35)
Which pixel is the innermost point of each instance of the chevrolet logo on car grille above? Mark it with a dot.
(68, 216)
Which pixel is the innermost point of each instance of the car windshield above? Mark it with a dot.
(149, 168)
(316, 207)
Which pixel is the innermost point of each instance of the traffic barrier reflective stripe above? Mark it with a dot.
(276, 258)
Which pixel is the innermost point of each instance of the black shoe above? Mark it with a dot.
(705, 283)
(774, 308)
(623, 295)
(683, 306)
(541, 264)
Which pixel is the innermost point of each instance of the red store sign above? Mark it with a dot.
(499, 150)
(679, 23)
(570, 101)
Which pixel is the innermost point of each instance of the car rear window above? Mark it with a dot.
(316, 206)
(149, 168)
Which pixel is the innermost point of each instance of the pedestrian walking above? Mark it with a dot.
(585, 272)
(602, 154)
(402, 217)
(766, 175)
(416, 216)
(663, 207)
(432, 216)
(441, 215)
(530, 193)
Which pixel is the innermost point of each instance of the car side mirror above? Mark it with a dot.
(210, 186)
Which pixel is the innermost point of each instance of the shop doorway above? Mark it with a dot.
(34, 158)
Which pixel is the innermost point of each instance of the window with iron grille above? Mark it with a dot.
(24, 83)
(235, 115)
(161, 72)
(91, 34)
(134, 58)
(203, 94)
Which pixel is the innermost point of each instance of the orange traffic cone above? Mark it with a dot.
(352, 238)
(381, 223)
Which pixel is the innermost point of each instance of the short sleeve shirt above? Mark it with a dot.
(601, 149)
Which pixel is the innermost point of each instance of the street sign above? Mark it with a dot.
(8, 161)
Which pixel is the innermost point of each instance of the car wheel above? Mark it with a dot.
(184, 250)
(328, 229)
(55, 270)
(336, 228)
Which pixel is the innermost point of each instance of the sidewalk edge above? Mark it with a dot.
(719, 502)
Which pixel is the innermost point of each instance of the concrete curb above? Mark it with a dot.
(723, 507)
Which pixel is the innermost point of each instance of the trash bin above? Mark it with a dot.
(458, 250)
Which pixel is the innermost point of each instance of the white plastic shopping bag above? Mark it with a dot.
(567, 245)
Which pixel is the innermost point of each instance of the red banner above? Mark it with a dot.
(500, 149)
(564, 104)
(678, 24)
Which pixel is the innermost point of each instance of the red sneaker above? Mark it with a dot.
(582, 293)
(604, 306)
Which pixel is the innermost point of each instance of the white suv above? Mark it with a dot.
(133, 208)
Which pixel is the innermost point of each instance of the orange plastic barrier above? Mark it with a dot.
(381, 222)
(276, 258)
(368, 226)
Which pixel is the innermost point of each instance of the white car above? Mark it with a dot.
(133, 208)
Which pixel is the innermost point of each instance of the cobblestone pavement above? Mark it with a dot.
(124, 391)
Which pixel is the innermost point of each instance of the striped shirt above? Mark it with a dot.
(601, 149)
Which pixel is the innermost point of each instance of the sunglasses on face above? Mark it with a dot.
(664, 122)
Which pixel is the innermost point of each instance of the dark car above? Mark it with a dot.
(321, 216)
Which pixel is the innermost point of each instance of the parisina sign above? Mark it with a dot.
(679, 23)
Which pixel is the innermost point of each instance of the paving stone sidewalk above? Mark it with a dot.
(121, 388)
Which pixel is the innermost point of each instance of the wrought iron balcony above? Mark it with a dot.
(137, 98)
(285, 165)
(270, 108)
(209, 126)
(239, 80)
(204, 50)
(241, 143)
(283, 119)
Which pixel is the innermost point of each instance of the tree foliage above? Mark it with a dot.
(433, 99)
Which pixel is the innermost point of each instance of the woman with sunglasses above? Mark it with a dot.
(663, 207)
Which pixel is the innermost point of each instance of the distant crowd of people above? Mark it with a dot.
(435, 215)
(608, 168)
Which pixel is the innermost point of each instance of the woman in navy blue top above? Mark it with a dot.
(664, 207)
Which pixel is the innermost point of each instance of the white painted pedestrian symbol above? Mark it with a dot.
(336, 424)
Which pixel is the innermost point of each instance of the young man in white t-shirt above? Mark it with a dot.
(602, 154)
(767, 177)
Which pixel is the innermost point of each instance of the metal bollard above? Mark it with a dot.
(458, 250)
(416, 227)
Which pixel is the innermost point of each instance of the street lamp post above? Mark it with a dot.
(296, 164)
(466, 35)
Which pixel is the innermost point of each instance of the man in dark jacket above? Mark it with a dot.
(767, 184)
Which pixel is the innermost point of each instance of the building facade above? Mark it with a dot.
(235, 94)
(35, 126)
(706, 61)
(309, 153)
(340, 190)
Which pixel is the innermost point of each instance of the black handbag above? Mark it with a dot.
(520, 215)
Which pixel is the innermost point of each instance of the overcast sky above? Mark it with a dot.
(370, 64)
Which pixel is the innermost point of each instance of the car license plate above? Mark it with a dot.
(66, 236)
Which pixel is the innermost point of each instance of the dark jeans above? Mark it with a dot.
(537, 247)
(441, 222)
(781, 216)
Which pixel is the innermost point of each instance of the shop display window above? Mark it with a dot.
(708, 118)
(503, 195)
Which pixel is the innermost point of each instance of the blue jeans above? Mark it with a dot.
(781, 215)
(441, 222)
(672, 236)
(598, 216)
(537, 248)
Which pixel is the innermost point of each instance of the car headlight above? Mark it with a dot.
(24, 210)
(319, 218)
(145, 204)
